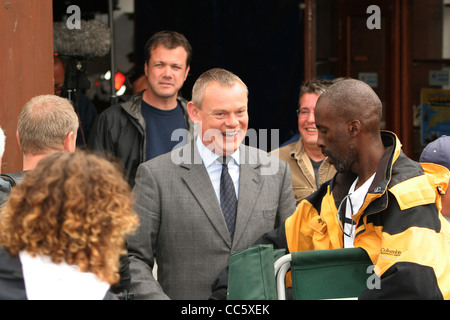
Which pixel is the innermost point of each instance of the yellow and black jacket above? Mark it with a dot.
(399, 225)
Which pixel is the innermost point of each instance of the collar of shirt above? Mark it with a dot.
(357, 199)
(214, 167)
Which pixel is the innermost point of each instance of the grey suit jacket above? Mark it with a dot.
(180, 218)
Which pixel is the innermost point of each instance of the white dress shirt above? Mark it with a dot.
(214, 167)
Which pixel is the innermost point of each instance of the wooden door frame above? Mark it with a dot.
(26, 61)
(310, 36)
(402, 112)
(399, 113)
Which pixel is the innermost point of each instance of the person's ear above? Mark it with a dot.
(354, 127)
(18, 139)
(187, 72)
(70, 142)
(193, 112)
(145, 70)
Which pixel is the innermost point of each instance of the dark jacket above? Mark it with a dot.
(120, 131)
(7, 181)
(5, 189)
(12, 283)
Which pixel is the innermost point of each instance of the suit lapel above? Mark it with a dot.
(249, 189)
(199, 183)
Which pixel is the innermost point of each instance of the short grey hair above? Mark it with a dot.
(44, 123)
(221, 76)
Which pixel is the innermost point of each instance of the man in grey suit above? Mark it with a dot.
(178, 197)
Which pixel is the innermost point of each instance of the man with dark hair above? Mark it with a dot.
(309, 166)
(142, 128)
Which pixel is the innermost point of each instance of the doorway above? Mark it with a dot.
(353, 41)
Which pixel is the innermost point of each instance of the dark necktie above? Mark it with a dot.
(228, 201)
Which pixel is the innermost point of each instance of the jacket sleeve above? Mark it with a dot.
(123, 286)
(286, 204)
(100, 137)
(141, 244)
(413, 254)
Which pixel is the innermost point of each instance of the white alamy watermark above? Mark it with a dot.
(373, 281)
(259, 139)
(74, 20)
(374, 21)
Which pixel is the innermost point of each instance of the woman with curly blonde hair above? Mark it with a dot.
(66, 223)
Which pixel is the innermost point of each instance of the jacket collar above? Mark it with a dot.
(342, 181)
(134, 105)
(297, 150)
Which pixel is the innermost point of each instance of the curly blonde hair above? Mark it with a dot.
(73, 207)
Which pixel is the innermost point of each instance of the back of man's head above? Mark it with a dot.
(44, 124)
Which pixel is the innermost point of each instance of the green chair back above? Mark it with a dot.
(330, 274)
(251, 273)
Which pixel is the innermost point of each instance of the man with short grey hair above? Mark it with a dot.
(197, 208)
(46, 124)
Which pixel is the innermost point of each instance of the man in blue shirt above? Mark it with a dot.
(145, 126)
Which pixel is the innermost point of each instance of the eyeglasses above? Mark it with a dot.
(344, 219)
(303, 113)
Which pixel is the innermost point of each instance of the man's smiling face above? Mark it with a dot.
(223, 117)
(306, 119)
